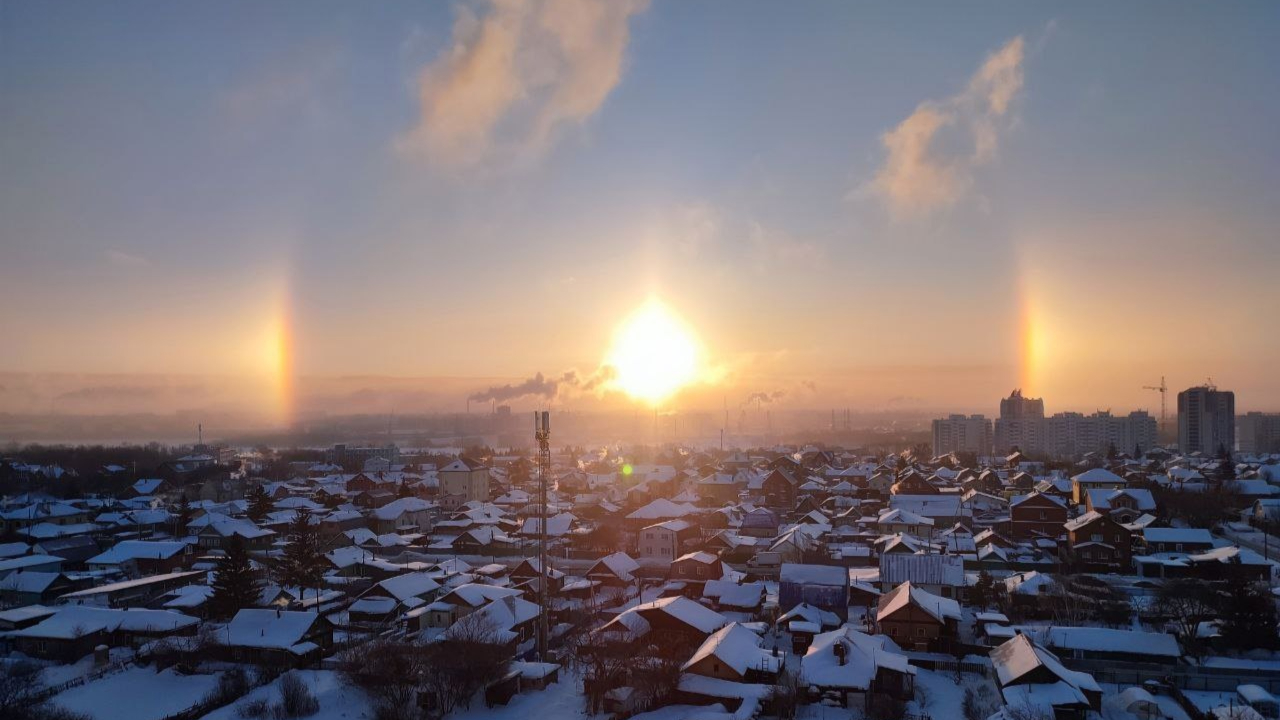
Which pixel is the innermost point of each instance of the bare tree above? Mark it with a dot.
(1069, 607)
(389, 673)
(474, 654)
(1187, 603)
(604, 664)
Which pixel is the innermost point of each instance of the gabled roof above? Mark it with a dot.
(127, 550)
(863, 656)
(1019, 656)
(1098, 476)
(273, 629)
(619, 564)
(940, 608)
(1077, 523)
(75, 620)
(738, 648)
(681, 608)
(463, 464)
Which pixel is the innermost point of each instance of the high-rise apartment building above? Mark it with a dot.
(1206, 420)
(1259, 432)
(961, 433)
(1023, 425)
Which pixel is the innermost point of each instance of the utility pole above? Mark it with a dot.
(542, 433)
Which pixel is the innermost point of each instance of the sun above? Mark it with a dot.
(654, 354)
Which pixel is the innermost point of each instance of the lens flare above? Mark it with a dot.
(654, 354)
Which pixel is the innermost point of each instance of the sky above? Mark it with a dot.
(868, 204)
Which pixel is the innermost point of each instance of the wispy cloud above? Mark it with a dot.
(515, 73)
(933, 153)
(120, 258)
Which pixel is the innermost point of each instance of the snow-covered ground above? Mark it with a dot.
(338, 701)
(136, 694)
(938, 694)
(561, 701)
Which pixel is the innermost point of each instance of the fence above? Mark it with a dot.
(102, 672)
(1184, 677)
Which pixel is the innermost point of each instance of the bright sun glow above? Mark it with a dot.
(654, 354)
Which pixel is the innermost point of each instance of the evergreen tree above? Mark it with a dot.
(1248, 615)
(260, 503)
(303, 564)
(982, 592)
(1227, 468)
(235, 586)
(184, 517)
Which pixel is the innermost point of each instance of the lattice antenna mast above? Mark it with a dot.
(542, 433)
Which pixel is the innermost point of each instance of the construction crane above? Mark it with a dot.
(542, 434)
(1163, 389)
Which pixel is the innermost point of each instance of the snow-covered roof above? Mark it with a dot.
(127, 550)
(681, 608)
(738, 648)
(409, 585)
(394, 509)
(801, 574)
(557, 525)
(663, 508)
(731, 594)
(1177, 535)
(1019, 656)
(620, 564)
(265, 628)
(1110, 640)
(940, 608)
(1098, 476)
(126, 584)
(898, 568)
(74, 621)
(863, 656)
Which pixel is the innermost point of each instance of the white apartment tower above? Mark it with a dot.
(961, 433)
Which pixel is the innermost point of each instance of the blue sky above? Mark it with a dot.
(235, 167)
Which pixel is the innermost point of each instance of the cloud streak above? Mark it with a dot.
(931, 156)
(549, 388)
(515, 73)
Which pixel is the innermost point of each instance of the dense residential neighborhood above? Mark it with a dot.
(789, 581)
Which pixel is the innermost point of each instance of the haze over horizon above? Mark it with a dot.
(276, 210)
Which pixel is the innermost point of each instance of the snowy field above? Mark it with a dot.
(137, 694)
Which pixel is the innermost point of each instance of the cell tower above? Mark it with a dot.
(542, 433)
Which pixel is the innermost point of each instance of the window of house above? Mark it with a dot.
(1178, 547)
(920, 632)
(1043, 515)
(893, 630)
(1096, 537)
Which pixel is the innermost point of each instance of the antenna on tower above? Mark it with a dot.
(200, 433)
(542, 434)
